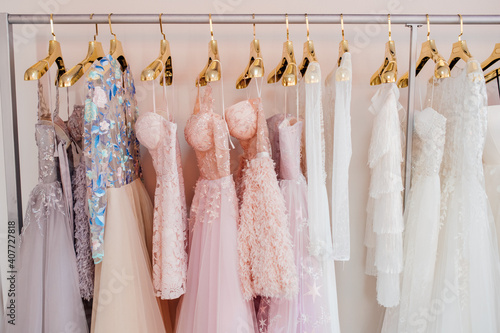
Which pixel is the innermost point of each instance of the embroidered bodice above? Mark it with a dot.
(207, 133)
(286, 135)
(246, 122)
(462, 100)
(428, 143)
(111, 150)
(45, 137)
(159, 135)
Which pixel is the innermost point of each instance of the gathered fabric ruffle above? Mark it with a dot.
(384, 226)
(267, 265)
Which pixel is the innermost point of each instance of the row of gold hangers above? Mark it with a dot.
(286, 71)
(387, 73)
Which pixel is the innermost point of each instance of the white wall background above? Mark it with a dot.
(359, 312)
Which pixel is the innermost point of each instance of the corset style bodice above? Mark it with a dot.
(428, 143)
(247, 123)
(207, 133)
(286, 138)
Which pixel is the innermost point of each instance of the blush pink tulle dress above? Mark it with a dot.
(213, 302)
(267, 267)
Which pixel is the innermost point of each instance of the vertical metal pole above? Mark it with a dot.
(9, 122)
(410, 108)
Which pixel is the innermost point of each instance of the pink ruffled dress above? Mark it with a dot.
(267, 265)
(213, 302)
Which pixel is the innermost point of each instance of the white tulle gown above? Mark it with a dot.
(422, 218)
(491, 163)
(466, 292)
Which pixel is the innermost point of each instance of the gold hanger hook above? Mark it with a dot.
(161, 27)
(253, 18)
(389, 24)
(52, 26)
(307, 26)
(428, 26)
(96, 28)
(287, 30)
(211, 28)
(342, 25)
(110, 27)
(461, 27)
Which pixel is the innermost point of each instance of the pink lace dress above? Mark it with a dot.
(315, 307)
(159, 135)
(267, 267)
(213, 302)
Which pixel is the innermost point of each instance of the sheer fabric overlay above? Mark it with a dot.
(338, 154)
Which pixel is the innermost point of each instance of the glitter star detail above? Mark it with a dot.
(262, 323)
(313, 291)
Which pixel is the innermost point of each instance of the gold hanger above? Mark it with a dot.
(255, 67)
(286, 71)
(388, 72)
(343, 46)
(36, 71)
(492, 75)
(164, 59)
(493, 58)
(428, 51)
(212, 71)
(95, 52)
(459, 49)
(115, 47)
(308, 52)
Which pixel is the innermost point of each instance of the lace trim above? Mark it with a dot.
(84, 261)
(45, 199)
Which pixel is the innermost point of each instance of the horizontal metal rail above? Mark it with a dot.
(248, 19)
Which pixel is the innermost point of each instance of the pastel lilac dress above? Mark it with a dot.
(213, 302)
(314, 309)
(47, 297)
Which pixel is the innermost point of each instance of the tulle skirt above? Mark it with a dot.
(492, 176)
(124, 299)
(213, 302)
(315, 307)
(48, 296)
(466, 292)
(422, 220)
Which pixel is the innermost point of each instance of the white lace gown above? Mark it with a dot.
(422, 216)
(466, 291)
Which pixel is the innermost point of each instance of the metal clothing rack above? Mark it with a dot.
(7, 68)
